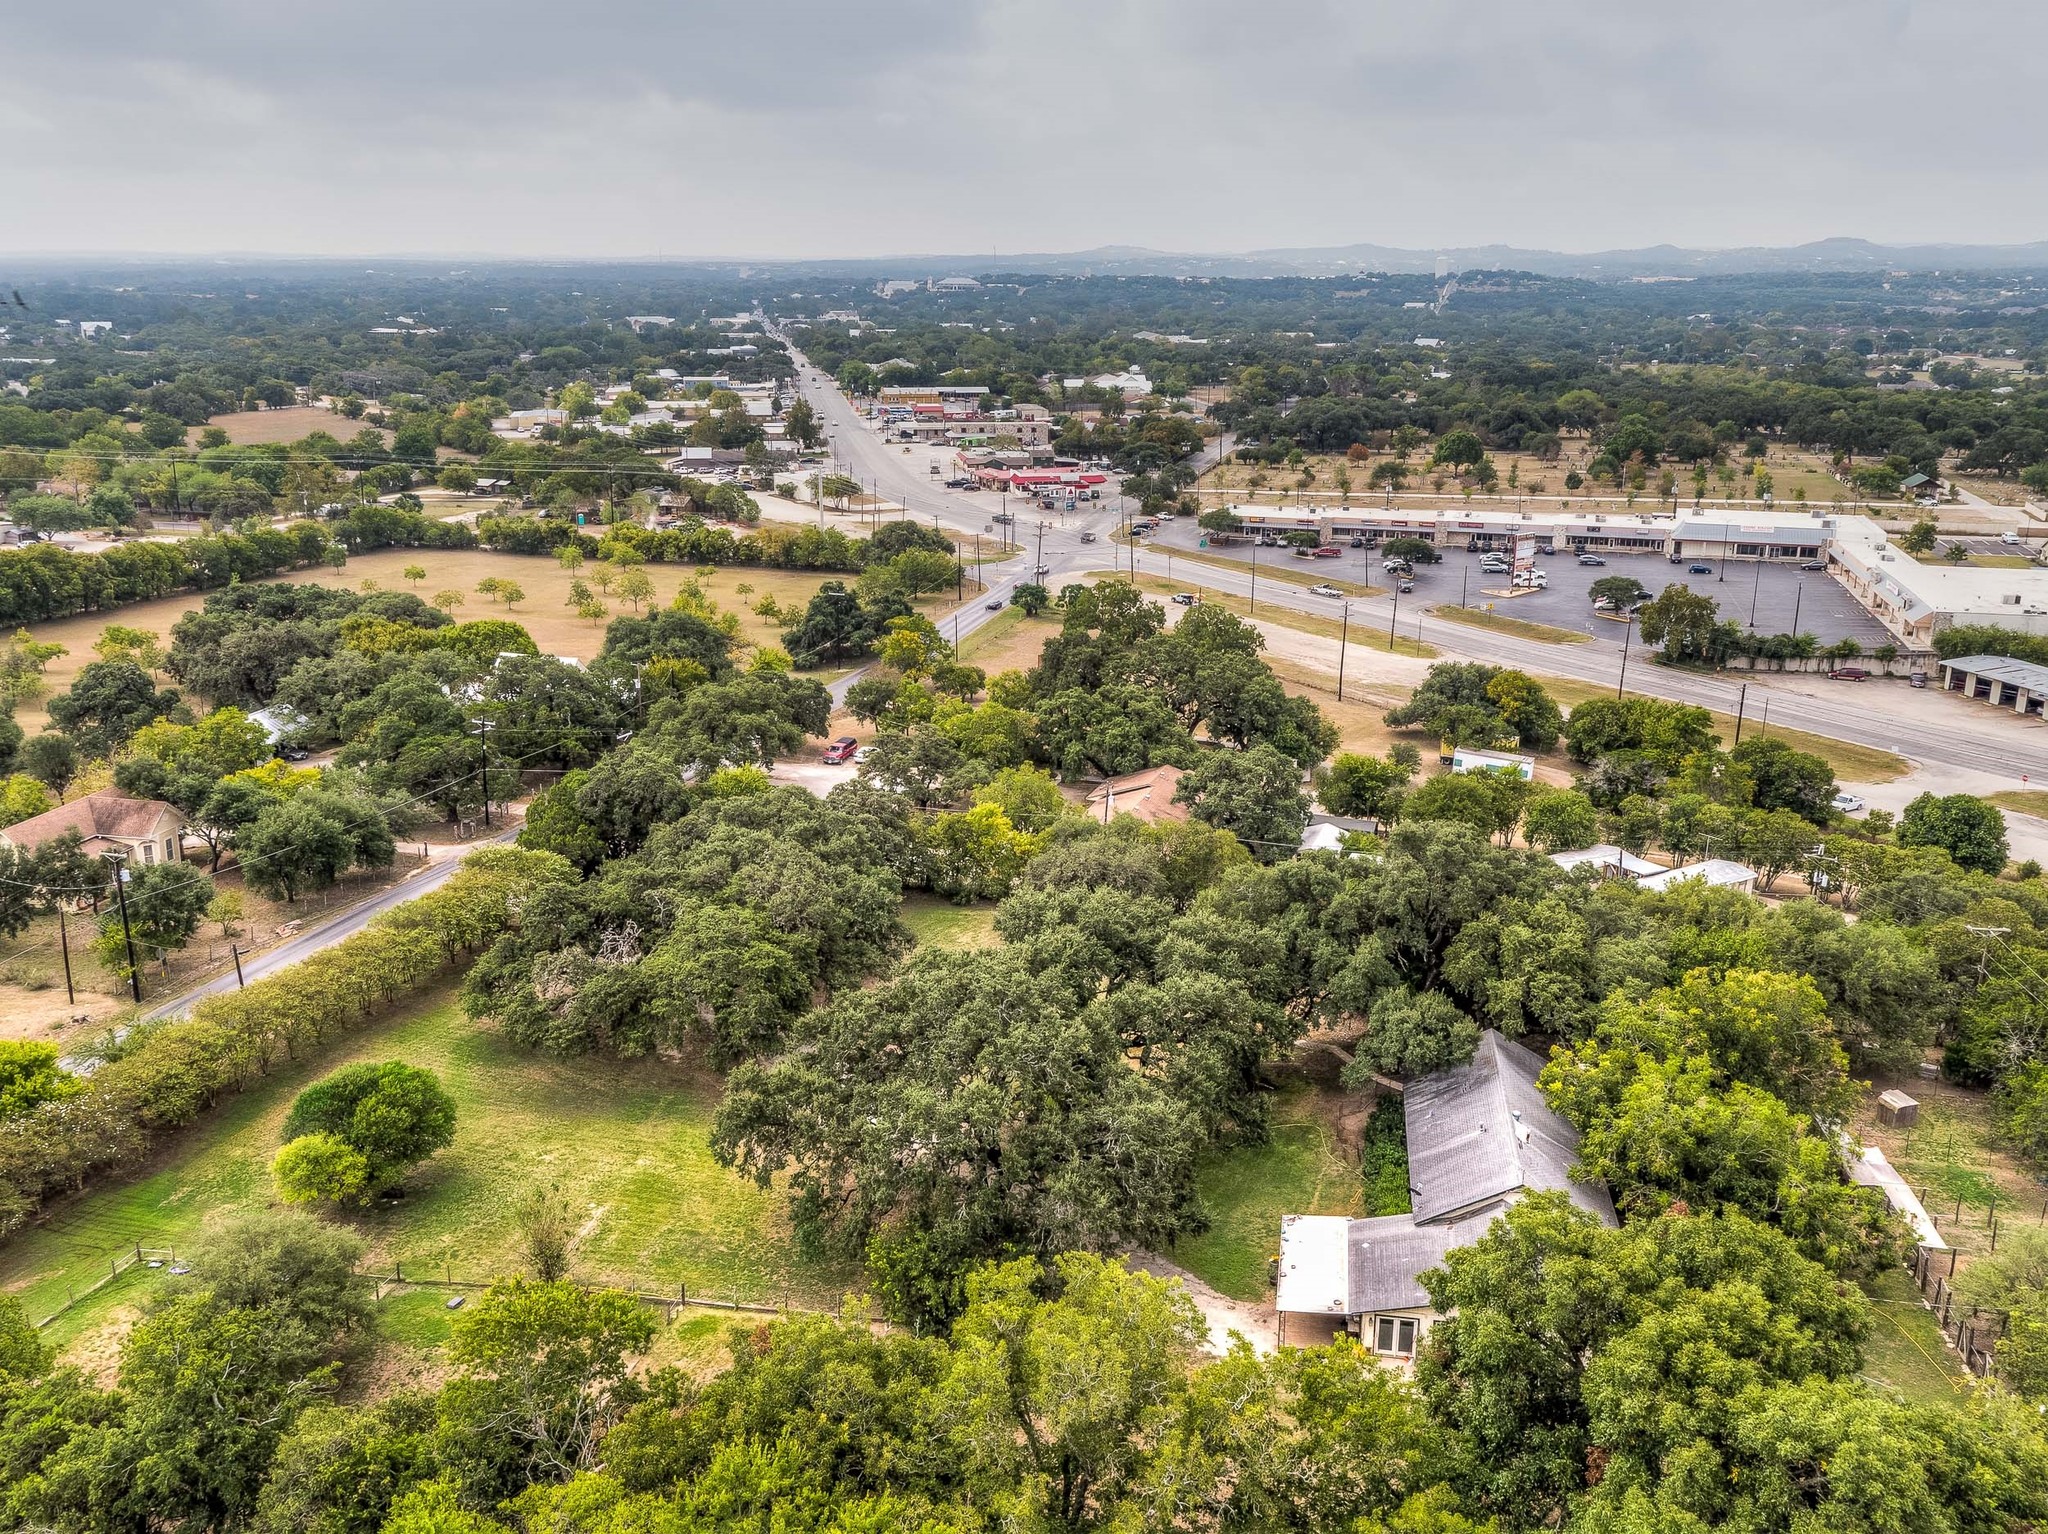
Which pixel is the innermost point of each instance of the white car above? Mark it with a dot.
(1533, 580)
(1324, 591)
(864, 754)
(1848, 804)
(2009, 536)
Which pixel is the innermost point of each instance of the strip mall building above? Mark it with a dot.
(1913, 600)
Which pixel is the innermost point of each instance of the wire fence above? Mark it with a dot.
(1971, 1330)
(386, 1284)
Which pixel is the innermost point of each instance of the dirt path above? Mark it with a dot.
(1225, 1317)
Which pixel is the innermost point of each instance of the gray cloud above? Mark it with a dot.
(820, 128)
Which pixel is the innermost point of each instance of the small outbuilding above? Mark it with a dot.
(1897, 1109)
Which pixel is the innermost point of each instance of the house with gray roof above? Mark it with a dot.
(1480, 1137)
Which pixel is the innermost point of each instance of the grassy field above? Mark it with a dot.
(1905, 1352)
(1276, 564)
(555, 628)
(1366, 636)
(286, 425)
(631, 1140)
(1300, 1170)
(2027, 801)
(942, 924)
(1852, 763)
(1500, 623)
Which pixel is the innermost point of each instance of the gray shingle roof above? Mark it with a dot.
(1389, 1254)
(1481, 1133)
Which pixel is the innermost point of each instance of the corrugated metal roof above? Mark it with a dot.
(1482, 1133)
(2003, 668)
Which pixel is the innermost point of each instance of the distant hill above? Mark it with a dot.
(1832, 255)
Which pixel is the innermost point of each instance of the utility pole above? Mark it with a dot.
(1039, 560)
(1255, 574)
(1343, 639)
(236, 950)
(1396, 618)
(1628, 628)
(127, 936)
(1741, 707)
(483, 740)
(64, 942)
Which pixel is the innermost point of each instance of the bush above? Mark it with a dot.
(321, 1168)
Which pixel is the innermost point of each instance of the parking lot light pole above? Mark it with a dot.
(1754, 591)
(1396, 618)
(1798, 596)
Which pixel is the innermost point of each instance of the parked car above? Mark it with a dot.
(1326, 551)
(1815, 564)
(1850, 674)
(1699, 569)
(1357, 542)
(1183, 598)
(1848, 804)
(1917, 679)
(1546, 548)
(865, 753)
(1404, 585)
(1392, 566)
(1324, 591)
(2009, 537)
(841, 751)
(1493, 566)
(1591, 559)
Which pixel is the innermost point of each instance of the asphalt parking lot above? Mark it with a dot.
(1776, 593)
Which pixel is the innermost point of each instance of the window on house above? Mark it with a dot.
(1395, 1334)
(170, 849)
(149, 852)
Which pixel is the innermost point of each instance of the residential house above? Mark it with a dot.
(1147, 795)
(145, 831)
(1607, 860)
(1715, 873)
(1480, 1137)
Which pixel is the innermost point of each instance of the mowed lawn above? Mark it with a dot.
(628, 1141)
(1301, 1169)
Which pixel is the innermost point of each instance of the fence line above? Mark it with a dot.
(1972, 1331)
(383, 1284)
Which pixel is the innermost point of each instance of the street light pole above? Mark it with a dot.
(1798, 596)
(1628, 628)
(1396, 618)
(1753, 592)
(1255, 575)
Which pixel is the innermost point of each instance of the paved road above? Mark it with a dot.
(325, 934)
(1975, 738)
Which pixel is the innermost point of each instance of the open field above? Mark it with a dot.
(555, 628)
(1285, 568)
(629, 1139)
(1362, 634)
(2027, 801)
(1008, 642)
(286, 425)
(1499, 623)
(1302, 1169)
(1795, 475)
(1852, 763)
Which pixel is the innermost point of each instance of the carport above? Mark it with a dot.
(1999, 679)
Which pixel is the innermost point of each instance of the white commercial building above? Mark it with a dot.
(1916, 601)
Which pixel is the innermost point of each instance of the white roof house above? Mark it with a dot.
(1469, 759)
(1868, 1168)
(1715, 873)
(1607, 859)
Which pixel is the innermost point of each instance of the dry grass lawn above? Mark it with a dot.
(555, 628)
(286, 425)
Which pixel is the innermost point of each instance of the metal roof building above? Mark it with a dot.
(2019, 685)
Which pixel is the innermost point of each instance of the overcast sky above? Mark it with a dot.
(831, 128)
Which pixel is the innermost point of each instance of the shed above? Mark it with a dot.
(1897, 1109)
